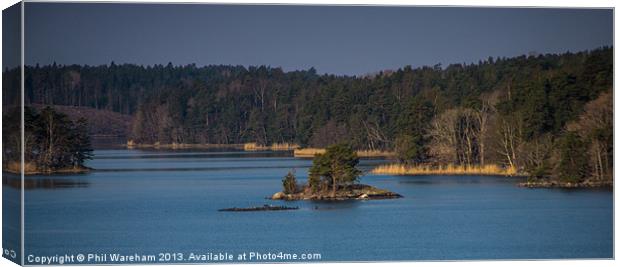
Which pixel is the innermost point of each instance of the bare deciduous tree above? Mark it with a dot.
(596, 126)
(374, 134)
(509, 139)
(443, 134)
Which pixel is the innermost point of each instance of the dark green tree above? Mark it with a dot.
(81, 149)
(410, 149)
(289, 183)
(336, 167)
(411, 144)
(573, 163)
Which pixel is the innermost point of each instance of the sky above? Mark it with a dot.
(341, 40)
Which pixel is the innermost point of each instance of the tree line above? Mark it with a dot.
(528, 112)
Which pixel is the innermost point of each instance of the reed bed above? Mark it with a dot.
(272, 147)
(157, 145)
(15, 167)
(310, 152)
(307, 152)
(401, 169)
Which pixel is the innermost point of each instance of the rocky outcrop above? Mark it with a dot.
(279, 195)
(559, 184)
(355, 191)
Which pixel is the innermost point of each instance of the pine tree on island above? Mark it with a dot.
(333, 176)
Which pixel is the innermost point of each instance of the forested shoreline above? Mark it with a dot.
(549, 116)
(53, 143)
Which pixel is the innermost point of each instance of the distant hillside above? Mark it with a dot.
(100, 122)
(547, 115)
(235, 104)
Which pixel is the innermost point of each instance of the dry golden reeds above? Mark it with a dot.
(307, 152)
(310, 152)
(15, 167)
(401, 169)
(272, 147)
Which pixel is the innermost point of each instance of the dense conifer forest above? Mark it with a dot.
(549, 116)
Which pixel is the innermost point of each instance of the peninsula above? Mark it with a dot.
(53, 143)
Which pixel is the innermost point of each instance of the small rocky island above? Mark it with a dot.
(354, 191)
(333, 176)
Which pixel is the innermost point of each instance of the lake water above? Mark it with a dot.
(151, 202)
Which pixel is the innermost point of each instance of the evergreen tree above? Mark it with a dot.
(336, 167)
(289, 183)
(410, 148)
(81, 149)
(573, 164)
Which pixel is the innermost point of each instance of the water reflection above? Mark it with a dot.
(222, 155)
(47, 183)
(422, 182)
(456, 180)
(334, 204)
(448, 217)
(300, 165)
(169, 169)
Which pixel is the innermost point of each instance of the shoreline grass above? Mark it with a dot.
(132, 145)
(311, 152)
(307, 152)
(30, 168)
(402, 169)
(273, 147)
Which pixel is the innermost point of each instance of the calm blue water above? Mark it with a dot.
(157, 201)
